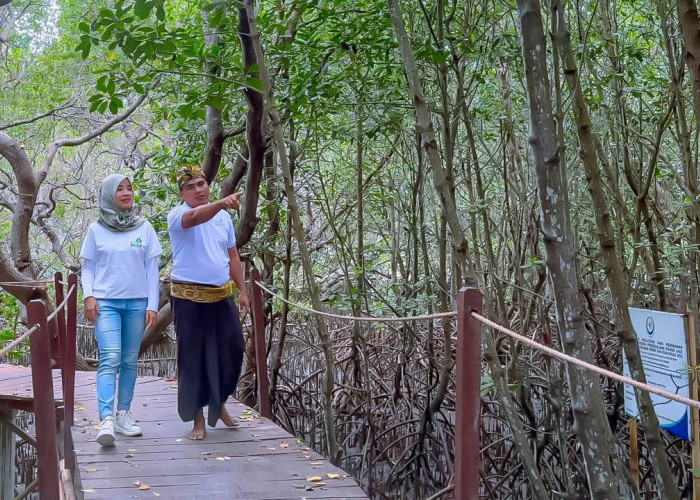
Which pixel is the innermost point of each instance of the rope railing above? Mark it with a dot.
(36, 327)
(26, 283)
(383, 319)
(583, 364)
(19, 340)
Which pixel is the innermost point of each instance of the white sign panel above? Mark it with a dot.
(664, 351)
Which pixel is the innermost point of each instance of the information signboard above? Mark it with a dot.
(664, 350)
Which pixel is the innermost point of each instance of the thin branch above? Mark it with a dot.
(59, 143)
(36, 118)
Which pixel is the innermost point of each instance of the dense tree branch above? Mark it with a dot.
(35, 118)
(60, 143)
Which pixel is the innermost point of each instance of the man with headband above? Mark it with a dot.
(209, 338)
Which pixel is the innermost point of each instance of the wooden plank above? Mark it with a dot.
(264, 461)
(256, 459)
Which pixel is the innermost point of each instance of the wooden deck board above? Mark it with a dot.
(255, 460)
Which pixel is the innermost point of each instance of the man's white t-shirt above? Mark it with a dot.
(200, 253)
(120, 261)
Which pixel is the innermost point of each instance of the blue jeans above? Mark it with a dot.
(119, 329)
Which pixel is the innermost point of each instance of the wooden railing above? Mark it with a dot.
(52, 422)
(467, 383)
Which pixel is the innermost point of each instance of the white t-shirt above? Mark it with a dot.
(121, 263)
(200, 253)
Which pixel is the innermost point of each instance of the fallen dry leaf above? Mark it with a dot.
(129, 455)
(144, 487)
(131, 450)
(314, 479)
(89, 490)
(333, 475)
(299, 486)
(284, 444)
(170, 379)
(178, 440)
(271, 448)
(315, 463)
(80, 408)
(92, 469)
(221, 459)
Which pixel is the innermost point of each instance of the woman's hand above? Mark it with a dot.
(151, 317)
(91, 309)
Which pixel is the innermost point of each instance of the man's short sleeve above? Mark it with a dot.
(89, 249)
(231, 235)
(175, 217)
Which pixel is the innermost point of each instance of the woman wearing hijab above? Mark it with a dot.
(120, 289)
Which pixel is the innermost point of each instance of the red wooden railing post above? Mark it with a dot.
(61, 320)
(260, 346)
(44, 409)
(468, 403)
(69, 370)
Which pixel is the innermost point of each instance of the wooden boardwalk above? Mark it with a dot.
(255, 460)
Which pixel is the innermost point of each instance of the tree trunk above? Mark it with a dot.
(613, 270)
(606, 477)
(332, 450)
(444, 184)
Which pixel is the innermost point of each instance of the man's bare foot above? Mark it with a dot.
(226, 418)
(199, 430)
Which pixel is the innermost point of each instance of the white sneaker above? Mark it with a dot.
(124, 424)
(106, 435)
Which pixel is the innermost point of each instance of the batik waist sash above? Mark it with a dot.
(201, 293)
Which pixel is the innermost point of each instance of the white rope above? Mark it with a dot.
(359, 318)
(593, 368)
(59, 307)
(18, 340)
(33, 329)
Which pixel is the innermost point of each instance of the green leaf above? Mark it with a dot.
(84, 46)
(214, 101)
(100, 84)
(254, 83)
(115, 105)
(142, 8)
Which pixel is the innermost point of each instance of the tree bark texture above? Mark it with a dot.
(611, 263)
(606, 477)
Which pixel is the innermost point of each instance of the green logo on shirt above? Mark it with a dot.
(138, 243)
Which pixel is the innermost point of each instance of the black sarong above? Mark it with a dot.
(209, 355)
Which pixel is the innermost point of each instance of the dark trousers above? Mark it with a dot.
(210, 351)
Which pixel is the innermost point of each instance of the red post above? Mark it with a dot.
(468, 402)
(61, 320)
(260, 346)
(69, 370)
(44, 409)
